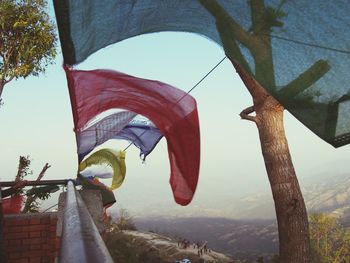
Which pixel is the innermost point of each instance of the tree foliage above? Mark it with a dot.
(35, 195)
(23, 170)
(27, 39)
(330, 242)
(122, 222)
(32, 204)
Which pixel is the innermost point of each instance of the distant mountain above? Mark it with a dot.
(328, 195)
(321, 194)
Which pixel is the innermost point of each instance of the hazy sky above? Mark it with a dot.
(36, 120)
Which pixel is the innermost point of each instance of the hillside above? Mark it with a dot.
(142, 247)
(237, 238)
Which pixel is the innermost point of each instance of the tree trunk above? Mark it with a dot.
(293, 227)
(289, 203)
(1, 89)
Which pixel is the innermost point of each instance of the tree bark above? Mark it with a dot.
(293, 227)
(289, 203)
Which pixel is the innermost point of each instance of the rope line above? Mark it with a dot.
(187, 93)
(206, 75)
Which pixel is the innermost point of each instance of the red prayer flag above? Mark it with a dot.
(173, 111)
(13, 204)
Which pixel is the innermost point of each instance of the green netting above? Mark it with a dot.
(297, 50)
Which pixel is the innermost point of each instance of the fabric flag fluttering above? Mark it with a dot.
(120, 125)
(101, 131)
(143, 134)
(299, 52)
(172, 111)
(116, 160)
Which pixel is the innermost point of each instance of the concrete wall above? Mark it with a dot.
(93, 202)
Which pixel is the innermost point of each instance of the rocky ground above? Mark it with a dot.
(135, 246)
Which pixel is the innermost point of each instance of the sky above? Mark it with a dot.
(36, 120)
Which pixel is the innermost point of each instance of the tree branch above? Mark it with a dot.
(5, 66)
(245, 114)
(305, 79)
(262, 48)
(255, 89)
(1, 88)
(258, 44)
(220, 14)
(5, 81)
(230, 46)
(257, 13)
(42, 173)
(32, 198)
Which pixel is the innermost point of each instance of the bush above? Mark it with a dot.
(330, 242)
(123, 222)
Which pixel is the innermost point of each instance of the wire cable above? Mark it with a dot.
(310, 44)
(187, 93)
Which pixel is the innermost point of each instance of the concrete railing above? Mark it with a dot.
(81, 240)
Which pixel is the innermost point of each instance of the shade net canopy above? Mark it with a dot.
(172, 111)
(297, 50)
